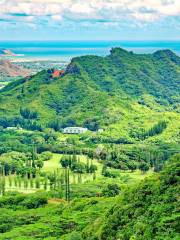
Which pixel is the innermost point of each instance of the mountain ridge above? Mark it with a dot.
(11, 70)
(112, 91)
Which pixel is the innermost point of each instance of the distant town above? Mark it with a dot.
(13, 66)
(39, 65)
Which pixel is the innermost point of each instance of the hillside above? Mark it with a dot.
(109, 185)
(124, 93)
(7, 52)
(9, 69)
(144, 212)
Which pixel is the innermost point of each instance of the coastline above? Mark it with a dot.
(34, 60)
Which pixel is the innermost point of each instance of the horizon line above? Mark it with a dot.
(87, 40)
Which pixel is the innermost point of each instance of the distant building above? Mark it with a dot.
(14, 128)
(100, 130)
(11, 128)
(57, 73)
(74, 130)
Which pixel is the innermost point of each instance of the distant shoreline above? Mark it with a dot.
(36, 60)
(64, 51)
(13, 59)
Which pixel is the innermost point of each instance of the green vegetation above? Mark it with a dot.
(147, 210)
(126, 94)
(119, 183)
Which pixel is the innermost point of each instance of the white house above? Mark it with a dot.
(14, 128)
(100, 130)
(74, 130)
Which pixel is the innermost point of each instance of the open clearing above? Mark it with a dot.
(53, 165)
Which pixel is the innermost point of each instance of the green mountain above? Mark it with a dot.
(124, 93)
(113, 179)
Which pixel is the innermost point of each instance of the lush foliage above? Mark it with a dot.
(146, 211)
(91, 186)
(121, 91)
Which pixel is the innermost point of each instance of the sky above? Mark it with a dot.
(89, 20)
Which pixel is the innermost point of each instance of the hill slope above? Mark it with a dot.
(122, 90)
(6, 52)
(11, 70)
(145, 212)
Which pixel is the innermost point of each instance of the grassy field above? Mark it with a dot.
(53, 164)
(89, 182)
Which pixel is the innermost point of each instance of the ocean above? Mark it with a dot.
(65, 50)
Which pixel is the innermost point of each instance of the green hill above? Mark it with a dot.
(122, 93)
(135, 99)
(144, 212)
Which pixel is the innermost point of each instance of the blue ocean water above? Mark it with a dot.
(65, 50)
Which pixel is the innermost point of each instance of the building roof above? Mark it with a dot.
(57, 73)
(75, 128)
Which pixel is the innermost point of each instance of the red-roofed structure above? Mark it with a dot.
(57, 73)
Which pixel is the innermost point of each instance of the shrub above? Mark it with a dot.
(111, 190)
(34, 201)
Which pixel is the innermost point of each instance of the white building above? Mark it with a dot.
(74, 130)
(100, 130)
(14, 128)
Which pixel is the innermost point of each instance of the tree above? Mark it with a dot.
(45, 156)
(158, 168)
(79, 167)
(104, 169)
(132, 165)
(144, 167)
(52, 180)
(67, 185)
(87, 165)
(91, 124)
(111, 190)
(39, 164)
(156, 129)
(65, 162)
(92, 168)
(45, 183)
(34, 153)
(28, 114)
(37, 182)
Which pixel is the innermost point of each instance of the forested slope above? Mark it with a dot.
(143, 211)
(146, 211)
(120, 91)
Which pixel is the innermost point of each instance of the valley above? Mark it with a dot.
(92, 151)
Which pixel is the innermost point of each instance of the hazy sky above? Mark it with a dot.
(89, 19)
